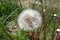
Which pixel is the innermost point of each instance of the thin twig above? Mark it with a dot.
(20, 3)
(53, 31)
(43, 16)
(55, 27)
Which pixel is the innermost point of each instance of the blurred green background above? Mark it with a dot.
(9, 11)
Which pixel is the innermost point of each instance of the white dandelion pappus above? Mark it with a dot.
(55, 14)
(58, 30)
(29, 20)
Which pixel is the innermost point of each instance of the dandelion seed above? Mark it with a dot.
(36, 2)
(44, 10)
(55, 14)
(39, 3)
(58, 30)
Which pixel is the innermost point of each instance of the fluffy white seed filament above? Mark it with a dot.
(29, 20)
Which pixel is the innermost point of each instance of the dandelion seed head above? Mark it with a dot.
(29, 20)
(12, 27)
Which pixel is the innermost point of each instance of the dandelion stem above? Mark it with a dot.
(36, 35)
(28, 34)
